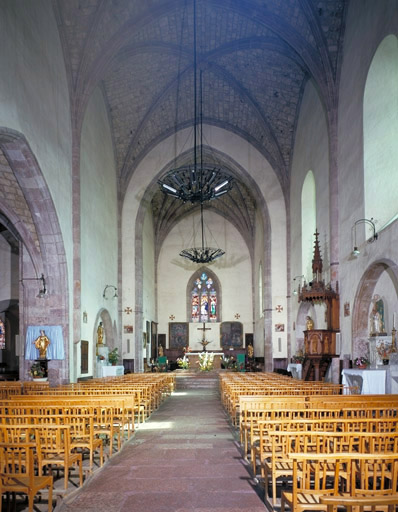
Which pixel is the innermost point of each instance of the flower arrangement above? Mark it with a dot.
(298, 358)
(206, 361)
(183, 362)
(361, 361)
(383, 351)
(228, 362)
(36, 370)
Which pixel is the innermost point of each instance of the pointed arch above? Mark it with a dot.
(215, 287)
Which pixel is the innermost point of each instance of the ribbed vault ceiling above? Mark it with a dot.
(256, 57)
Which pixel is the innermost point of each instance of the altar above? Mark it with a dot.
(368, 381)
(109, 371)
(194, 359)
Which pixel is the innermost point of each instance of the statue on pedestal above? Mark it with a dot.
(42, 343)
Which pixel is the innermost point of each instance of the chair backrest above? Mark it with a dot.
(17, 460)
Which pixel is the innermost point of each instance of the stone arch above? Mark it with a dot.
(48, 258)
(251, 167)
(218, 287)
(363, 299)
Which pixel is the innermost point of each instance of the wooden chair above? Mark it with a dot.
(54, 449)
(84, 438)
(17, 473)
(311, 480)
(373, 485)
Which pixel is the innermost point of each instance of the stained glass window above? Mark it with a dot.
(204, 307)
(2, 335)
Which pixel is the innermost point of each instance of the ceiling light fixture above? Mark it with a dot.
(197, 182)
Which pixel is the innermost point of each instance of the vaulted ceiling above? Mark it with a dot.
(256, 57)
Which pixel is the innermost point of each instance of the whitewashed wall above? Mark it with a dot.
(233, 270)
(368, 23)
(34, 100)
(99, 229)
(311, 152)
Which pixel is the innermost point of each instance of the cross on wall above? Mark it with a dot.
(204, 329)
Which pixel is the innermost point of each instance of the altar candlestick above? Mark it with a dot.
(393, 321)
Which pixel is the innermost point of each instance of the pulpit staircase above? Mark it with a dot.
(313, 365)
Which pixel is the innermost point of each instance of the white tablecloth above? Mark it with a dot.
(109, 371)
(370, 382)
(296, 369)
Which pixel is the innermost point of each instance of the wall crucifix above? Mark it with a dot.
(204, 343)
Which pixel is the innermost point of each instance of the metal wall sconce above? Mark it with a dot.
(114, 291)
(43, 290)
(295, 292)
(356, 252)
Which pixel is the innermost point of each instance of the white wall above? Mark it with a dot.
(233, 271)
(34, 99)
(311, 152)
(368, 23)
(99, 227)
(149, 285)
(259, 256)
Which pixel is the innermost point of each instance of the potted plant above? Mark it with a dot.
(113, 356)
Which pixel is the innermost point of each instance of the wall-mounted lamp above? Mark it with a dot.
(114, 291)
(295, 292)
(373, 238)
(43, 290)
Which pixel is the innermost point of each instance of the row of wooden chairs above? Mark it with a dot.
(322, 482)
(60, 424)
(278, 420)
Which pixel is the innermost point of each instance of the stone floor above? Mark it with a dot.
(184, 458)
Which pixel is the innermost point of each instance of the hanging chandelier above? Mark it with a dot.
(202, 254)
(196, 183)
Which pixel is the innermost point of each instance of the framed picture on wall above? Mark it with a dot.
(231, 334)
(178, 334)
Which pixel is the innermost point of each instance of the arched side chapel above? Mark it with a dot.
(87, 131)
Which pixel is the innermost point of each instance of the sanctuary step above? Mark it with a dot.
(186, 379)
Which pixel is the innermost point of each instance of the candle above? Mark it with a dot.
(393, 321)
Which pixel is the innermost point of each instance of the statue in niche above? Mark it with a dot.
(309, 323)
(42, 343)
(377, 317)
(250, 351)
(100, 334)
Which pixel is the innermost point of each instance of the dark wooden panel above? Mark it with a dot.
(84, 356)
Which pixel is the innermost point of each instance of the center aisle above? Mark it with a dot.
(183, 458)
